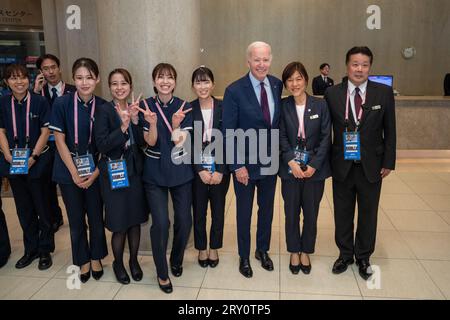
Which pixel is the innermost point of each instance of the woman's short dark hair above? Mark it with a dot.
(355, 50)
(15, 70)
(162, 68)
(202, 74)
(290, 69)
(88, 63)
(124, 72)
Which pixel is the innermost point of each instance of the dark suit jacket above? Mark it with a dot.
(241, 110)
(447, 85)
(110, 140)
(198, 134)
(318, 136)
(67, 89)
(319, 86)
(377, 130)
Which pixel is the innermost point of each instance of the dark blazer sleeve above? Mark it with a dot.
(107, 136)
(315, 86)
(389, 132)
(325, 137)
(222, 168)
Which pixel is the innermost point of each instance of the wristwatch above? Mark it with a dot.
(35, 157)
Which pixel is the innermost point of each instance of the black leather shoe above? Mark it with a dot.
(136, 271)
(266, 262)
(306, 269)
(244, 268)
(45, 261)
(84, 277)
(3, 261)
(57, 224)
(341, 265)
(364, 268)
(213, 263)
(203, 263)
(177, 271)
(26, 260)
(294, 269)
(97, 274)
(166, 288)
(121, 273)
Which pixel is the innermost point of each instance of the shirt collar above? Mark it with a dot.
(256, 83)
(352, 87)
(22, 101)
(89, 102)
(58, 87)
(162, 103)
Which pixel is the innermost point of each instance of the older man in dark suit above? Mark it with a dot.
(363, 154)
(252, 104)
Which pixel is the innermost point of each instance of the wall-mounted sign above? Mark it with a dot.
(21, 13)
(374, 20)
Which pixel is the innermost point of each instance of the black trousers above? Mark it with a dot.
(79, 203)
(5, 245)
(244, 205)
(354, 188)
(301, 195)
(157, 198)
(202, 194)
(55, 210)
(31, 199)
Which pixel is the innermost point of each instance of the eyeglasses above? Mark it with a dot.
(52, 68)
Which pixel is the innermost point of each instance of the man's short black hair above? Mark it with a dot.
(46, 56)
(355, 50)
(323, 65)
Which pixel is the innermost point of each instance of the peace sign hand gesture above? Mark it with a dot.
(124, 117)
(149, 116)
(179, 116)
(134, 111)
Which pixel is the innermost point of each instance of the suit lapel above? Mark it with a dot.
(251, 95)
(197, 113)
(309, 109)
(368, 103)
(217, 114)
(275, 89)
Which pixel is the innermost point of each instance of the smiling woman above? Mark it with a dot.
(23, 141)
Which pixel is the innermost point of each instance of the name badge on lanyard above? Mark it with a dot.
(118, 174)
(301, 156)
(208, 161)
(19, 163)
(352, 142)
(85, 164)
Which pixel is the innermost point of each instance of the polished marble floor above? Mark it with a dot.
(412, 254)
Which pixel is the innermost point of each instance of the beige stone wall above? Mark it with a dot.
(314, 31)
(139, 33)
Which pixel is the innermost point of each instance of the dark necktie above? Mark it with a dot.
(54, 95)
(265, 105)
(358, 102)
